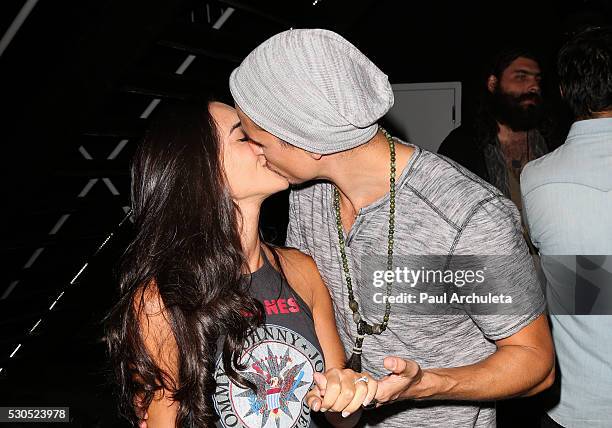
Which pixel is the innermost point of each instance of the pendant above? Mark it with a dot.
(354, 363)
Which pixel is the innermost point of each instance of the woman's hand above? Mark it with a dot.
(341, 390)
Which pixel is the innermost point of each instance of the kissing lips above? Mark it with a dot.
(267, 165)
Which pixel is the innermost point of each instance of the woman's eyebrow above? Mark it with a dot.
(236, 126)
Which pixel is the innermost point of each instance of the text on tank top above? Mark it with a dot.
(281, 357)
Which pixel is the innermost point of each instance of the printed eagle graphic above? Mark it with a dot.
(276, 381)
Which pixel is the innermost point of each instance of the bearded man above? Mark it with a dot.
(507, 130)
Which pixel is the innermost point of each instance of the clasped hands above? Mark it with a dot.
(346, 391)
(339, 390)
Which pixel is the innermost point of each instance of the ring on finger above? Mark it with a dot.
(362, 379)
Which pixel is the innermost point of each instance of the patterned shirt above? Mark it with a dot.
(441, 209)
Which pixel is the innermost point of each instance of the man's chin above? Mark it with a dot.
(529, 117)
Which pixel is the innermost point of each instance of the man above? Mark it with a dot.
(567, 205)
(505, 133)
(309, 102)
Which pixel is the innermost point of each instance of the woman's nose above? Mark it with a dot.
(257, 149)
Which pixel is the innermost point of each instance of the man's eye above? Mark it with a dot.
(244, 140)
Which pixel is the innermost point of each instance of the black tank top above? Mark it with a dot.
(281, 357)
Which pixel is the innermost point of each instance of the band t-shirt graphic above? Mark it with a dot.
(280, 357)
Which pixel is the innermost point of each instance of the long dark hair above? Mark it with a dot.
(187, 244)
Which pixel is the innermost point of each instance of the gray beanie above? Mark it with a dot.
(312, 89)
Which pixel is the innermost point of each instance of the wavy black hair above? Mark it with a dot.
(584, 65)
(187, 244)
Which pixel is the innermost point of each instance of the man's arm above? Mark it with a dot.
(523, 365)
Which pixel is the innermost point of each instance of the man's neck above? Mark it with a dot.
(514, 147)
(362, 174)
(601, 115)
(507, 136)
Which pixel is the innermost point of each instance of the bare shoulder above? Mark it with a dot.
(160, 344)
(155, 328)
(296, 259)
(302, 266)
(147, 300)
(301, 272)
(154, 320)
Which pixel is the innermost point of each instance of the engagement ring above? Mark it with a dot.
(362, 379)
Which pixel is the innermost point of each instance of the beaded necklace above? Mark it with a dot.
(363, 328)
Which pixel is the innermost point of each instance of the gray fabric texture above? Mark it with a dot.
(312, 89)
(441, 209)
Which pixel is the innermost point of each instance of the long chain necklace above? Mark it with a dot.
(363, 327)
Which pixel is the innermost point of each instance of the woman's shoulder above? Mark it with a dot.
(296, 257)
(301, 263)
(301, 272)
(147, 300)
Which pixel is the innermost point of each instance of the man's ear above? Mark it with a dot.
(491, 83)
(315, 156)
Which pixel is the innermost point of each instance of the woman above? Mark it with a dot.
(213, 325)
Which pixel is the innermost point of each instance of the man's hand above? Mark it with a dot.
(340, 391)
(405, 374)
(523, 365)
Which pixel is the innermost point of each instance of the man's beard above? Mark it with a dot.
(508, 110)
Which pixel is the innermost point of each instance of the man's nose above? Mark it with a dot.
(534, 87)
